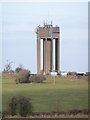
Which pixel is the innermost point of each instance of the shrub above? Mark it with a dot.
(5, 113)
(23, 76)
(37, 79)
(18, 69)
(25, 106)
(13, 106)
(21, 105)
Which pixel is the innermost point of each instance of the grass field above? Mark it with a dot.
(66, 94)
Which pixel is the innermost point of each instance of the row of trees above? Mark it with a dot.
(23, 75)
(8, 67)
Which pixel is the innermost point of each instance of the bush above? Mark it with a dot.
(25, 106)
(18, 69)
(37, 79)
(13, 106)
(5, 113)
(23, 76)
(21, 105)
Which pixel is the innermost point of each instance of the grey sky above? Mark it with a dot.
(19, 39)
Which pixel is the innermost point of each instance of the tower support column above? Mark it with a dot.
(52, 53)
(58, 56)
(45, 55)
(38, 55)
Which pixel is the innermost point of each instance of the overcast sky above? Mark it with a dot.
(19, 39)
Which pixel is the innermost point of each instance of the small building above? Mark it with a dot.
(80, 74)
(64, 74)
(53, 73)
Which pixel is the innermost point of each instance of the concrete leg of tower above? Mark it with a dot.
(45, 56)
(52, 53)
(38, 55)
(58, 56)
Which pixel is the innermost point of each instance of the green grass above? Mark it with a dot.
(66, 94)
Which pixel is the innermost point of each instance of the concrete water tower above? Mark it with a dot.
(50, 36)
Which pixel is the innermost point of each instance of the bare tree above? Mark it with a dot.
(8, 66)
